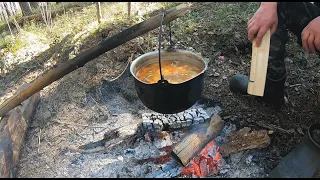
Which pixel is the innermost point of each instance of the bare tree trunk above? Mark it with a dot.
(1, 11)
(8, 8)
(17, 7)
(45, 10)
(5, 15)
(129, 9)
(13, 7)
(98, 12)
(26, 8)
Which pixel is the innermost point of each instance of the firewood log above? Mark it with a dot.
(13, 128)
(191, 145)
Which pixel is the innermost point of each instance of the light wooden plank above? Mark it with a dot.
(259, 66)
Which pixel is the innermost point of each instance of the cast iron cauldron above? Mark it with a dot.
(164, 97)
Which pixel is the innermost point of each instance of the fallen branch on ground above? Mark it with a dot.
(274, 128)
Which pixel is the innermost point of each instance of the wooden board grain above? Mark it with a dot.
(259, 65)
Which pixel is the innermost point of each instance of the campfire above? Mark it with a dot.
(192, 143)
(139, 142)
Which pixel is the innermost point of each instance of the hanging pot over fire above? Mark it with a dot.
(169, 81)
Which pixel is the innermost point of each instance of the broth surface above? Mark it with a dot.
(173, 71)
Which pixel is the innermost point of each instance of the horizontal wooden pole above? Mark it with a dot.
(84, 57)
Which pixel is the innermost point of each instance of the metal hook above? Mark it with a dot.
(160, 36)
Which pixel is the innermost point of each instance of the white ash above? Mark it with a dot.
(158, 122)
(224, 169)
(197, 114)
(160, 143)
(221, 139)
(118, 163)
(249, 159)
(146, 150)
(238, 165)
(168, 170)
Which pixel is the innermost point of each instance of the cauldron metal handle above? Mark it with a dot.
(162, 81)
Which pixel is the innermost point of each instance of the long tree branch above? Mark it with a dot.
(84, 57)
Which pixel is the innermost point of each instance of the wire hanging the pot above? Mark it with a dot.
(159, 48)
(162, 80)
(159, 94)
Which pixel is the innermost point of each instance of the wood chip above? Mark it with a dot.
(245, 139)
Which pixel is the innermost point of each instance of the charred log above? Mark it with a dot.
(13, 129)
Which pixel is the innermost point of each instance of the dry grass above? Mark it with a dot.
(78, 24)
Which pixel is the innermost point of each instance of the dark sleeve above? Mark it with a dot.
(317, 4)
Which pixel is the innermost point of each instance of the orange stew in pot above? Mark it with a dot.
(173, 71)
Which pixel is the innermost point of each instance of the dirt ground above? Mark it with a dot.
(73, 99)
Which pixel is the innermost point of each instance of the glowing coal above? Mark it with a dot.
(206, 163)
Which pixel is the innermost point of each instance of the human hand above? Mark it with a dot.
(265, 18)
(311, 36)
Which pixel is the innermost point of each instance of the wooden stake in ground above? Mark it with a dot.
(84, 57)
(259, 65)
(98, 12)
(129, 9)
(191, 145)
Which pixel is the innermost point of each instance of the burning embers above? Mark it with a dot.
(206, 163)
(198, 157)
(178, 145)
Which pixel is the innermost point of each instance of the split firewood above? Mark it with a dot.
(13, 130)
(245, 139)
(191, 145)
